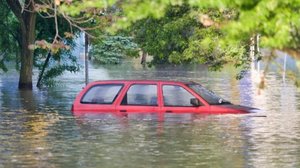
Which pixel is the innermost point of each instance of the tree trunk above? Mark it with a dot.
(39, 84)
(144, 57)
(27, 20)
(25, 80)
(28, 38)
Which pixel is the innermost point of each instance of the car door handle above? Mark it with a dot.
(123, 110)
(169, 111)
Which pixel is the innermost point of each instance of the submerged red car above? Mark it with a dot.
(129, 96)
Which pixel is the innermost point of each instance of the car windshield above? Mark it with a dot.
(208, 95)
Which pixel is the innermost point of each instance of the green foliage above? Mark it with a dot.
(112, 49)
(135, 10)
(179, 37)
(171, 31)
(61, 61)
(2, 63)
(9, 41)
(165, 36)
(205, 48)
(85, 6)
(276, 21)
(55, 71)
(45, 29)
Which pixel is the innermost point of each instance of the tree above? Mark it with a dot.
(113, 49)
(26, 13)
(181, 36)
(53, 61)
(276, 22)
(27, 21)
(45, 29)
(163, 37)
(9, 40)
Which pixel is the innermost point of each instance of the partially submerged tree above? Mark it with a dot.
(27, 20)
(53, 62)
(26, 12)
(183, 36)
(276, 21)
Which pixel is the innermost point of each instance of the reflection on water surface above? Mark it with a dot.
(37, 128)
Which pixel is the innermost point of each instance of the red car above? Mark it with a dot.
(129, 96)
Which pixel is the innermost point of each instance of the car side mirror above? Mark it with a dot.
(195, 102)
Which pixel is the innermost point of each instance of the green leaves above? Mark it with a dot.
(166, 36)
(2, 62)
(275, 20)
(181, 36)
(9, 36)
(74, 8)
(53, 72)
(112, 49)
(206, 47)
(178, 31)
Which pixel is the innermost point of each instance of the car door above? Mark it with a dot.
(139, 97)
(177, 99)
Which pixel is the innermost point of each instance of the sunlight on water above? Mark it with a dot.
(37, 128)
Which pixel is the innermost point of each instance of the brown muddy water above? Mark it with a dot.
(37, 128)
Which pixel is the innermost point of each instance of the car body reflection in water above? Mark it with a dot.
(139, 116)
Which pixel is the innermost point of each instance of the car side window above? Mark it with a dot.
(102, 94)
(141, 95)
(174, 95)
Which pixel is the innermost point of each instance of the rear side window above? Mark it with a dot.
(102, 94)
(141, 94)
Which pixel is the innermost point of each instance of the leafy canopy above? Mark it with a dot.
(113, 49)
(181, 37)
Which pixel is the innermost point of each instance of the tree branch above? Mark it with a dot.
(16, 7)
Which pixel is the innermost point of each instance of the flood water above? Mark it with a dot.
(37, 128)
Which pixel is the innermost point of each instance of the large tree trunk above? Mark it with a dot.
(28, 38)
(27, 19)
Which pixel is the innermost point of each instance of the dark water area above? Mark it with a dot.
(37, 128)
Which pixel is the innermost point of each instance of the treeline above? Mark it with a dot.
(42, 33)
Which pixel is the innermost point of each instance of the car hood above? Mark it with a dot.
(240, 108)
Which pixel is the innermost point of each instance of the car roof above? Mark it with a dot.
(141, 81)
